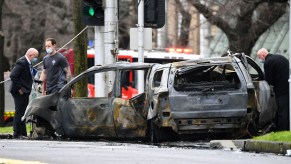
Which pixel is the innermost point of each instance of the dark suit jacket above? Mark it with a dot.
(21, 77)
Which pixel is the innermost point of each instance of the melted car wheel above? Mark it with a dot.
(41, 129)
(155, 133)
(162, 134)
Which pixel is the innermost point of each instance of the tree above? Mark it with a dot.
(29, 23)
(80, 48)
(242, 21)
(2, 92)
(127, 20)
(185, 25)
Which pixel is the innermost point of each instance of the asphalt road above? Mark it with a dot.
(115, 152)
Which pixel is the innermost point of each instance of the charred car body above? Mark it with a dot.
(226, 95)
(83, 117)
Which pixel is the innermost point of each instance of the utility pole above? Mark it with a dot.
(2, 90)
(289, 68)
(110, 34)
(140, 73)
(99, 60)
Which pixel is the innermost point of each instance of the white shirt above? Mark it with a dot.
(27, 59)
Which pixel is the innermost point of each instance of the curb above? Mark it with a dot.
(252, 145)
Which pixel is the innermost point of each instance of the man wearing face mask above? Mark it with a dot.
(22, 79)
(56, 70)
(277, 74)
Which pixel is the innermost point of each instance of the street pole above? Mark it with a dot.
(140, 85)
(99, 60)
(289, 67)
(110, 32)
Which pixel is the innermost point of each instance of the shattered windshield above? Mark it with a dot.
(206, 78)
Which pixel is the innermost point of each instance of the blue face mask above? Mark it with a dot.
(262, 61)
(34, 60)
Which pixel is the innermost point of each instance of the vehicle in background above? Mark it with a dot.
(8, 118)
(211, 96)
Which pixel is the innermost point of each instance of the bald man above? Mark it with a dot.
(22, 79)
(277, 74)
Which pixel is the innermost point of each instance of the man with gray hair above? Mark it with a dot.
(277, 74)
(22, 79)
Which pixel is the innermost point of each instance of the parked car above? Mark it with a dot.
(223, 95)
(63, 114)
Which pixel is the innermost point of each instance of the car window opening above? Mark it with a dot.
(207, 78)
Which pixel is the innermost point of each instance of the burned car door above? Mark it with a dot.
(84, 116)
(129, 114)
(158, 82)
(159, 116)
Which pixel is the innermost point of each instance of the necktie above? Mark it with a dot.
(31, 69)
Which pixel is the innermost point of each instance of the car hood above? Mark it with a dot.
(41, 106)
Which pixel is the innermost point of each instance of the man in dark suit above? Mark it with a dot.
(22, 79)
(277, 74)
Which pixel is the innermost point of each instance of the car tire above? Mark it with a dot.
(252, 129)
(155, 135)
(41, 129)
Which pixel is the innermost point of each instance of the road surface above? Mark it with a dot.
(116, 152)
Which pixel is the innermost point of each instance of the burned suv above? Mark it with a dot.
(223, 95)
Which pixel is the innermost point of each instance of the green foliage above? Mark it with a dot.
(284, 136)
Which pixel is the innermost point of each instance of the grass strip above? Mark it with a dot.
(282, 136)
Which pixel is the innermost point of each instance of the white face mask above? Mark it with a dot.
(49, 50)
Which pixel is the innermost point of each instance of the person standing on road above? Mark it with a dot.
(56, 69)
(277, 74)
(22, 79)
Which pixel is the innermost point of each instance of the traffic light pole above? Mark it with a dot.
(289, 68)
(99, 60)
(140, 85)
(110, 32)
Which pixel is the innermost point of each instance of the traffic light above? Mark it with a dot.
(154, 13)
(93, 12)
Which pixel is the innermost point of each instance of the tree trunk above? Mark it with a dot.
(80, 48)
(185, 25)
(241, 43)
(184, 33)
(172, 23)
(2, 91)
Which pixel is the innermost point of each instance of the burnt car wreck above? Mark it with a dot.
(223, 95)
(62, 114)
